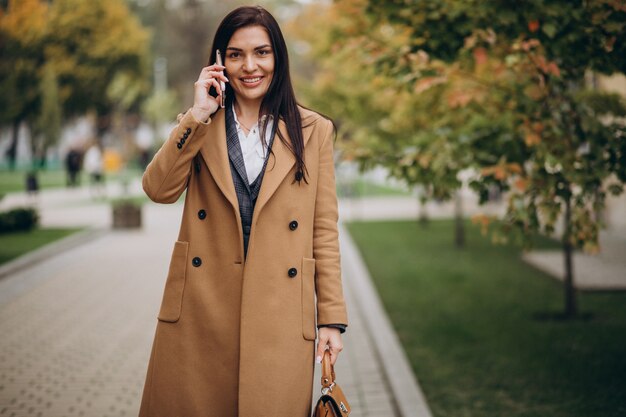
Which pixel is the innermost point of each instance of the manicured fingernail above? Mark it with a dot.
(318, 359)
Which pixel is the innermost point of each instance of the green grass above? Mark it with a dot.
(15, 181)
(467, 320)
(13, 245)
(363, 188)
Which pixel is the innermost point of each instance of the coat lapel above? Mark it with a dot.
(278, 166)
(215, 152)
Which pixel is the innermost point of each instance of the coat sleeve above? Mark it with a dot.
(166, 176)
(331, 308)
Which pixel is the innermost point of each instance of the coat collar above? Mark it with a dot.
(215, 152)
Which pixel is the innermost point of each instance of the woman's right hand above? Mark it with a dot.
(204, 105)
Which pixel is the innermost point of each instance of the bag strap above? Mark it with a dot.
(328, 371)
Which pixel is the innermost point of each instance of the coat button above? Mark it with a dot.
(179, 145)
(292, 272)
(185, 135)
(182, 141)
(202, 214)
(188, 131)
(293, 225)
(196, 262)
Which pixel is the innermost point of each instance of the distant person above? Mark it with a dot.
(94, 167)
(72, 166)
(32, 183)
(144, 139)
(255, 274)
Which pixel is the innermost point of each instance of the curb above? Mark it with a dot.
(48, 251)
(410, 400)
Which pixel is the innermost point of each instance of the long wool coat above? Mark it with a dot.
(236, 337)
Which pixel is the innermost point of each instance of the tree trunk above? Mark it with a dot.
(459, 221)
(571, 309)
(12, 150)
(423, 213)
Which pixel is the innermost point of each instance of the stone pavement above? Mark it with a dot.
(605, 271)
(77, 327)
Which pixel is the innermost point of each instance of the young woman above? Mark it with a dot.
(257, 257)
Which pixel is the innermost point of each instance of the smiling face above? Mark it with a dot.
(249, 63)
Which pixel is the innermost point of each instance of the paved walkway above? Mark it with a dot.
(77, 328)
(605, 271)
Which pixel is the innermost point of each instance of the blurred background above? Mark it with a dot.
(480, 165)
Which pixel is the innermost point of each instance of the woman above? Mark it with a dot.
(257, 257)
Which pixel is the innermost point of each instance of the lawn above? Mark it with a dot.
(361, 187)
(468, 322)
(15, 181)
(16, 244)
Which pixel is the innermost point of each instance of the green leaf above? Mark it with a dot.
(549, 29)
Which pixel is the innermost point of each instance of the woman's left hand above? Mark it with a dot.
(328, 337)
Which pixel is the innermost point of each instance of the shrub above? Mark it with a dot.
(19, 219)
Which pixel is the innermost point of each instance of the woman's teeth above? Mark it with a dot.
(250, 80)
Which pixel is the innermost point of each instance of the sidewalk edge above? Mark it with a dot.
(48, 251)
(409, 397)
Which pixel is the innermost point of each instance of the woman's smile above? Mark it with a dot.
(250, 63)
(251, 82)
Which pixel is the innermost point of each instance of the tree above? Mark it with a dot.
(23, 31)
(84, 46)
(491, 86)
(48, 124)
(93, 45)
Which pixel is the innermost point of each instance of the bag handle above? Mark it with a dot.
(328, 371)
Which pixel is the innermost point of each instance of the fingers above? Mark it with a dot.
(214, 67)
(321, 346)
(213, 71)
(334, 353)
(208, 82)
(331, 339)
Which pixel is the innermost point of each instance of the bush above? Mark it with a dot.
(20, 219)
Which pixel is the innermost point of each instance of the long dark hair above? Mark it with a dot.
(280, 100)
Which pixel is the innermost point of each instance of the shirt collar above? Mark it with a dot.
(263, 118)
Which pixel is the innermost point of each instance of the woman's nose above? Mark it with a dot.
(249, 64)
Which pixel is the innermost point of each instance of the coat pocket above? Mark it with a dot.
(308, 298)
(175, 284)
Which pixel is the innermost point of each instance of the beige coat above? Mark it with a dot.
(235, 338)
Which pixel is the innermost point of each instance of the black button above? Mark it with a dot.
(188, 130)
(185, 135)
(202, 214)
(182, 141)
(292, 272)
(179, 145)
(293, 225)
(298, 175)
(196, 261)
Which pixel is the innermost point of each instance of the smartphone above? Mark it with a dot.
(218, 61)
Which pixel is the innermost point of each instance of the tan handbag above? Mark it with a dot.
(333, 402)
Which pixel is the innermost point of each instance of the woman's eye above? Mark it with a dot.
(264, 52)
(233, 55)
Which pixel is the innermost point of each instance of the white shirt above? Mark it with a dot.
(92, 161)
(252, 147)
